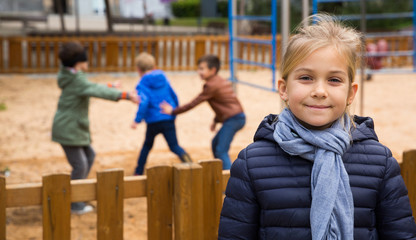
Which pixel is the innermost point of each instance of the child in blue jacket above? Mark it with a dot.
(154, 88)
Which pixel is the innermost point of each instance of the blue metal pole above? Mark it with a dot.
(274, 19)
(314, 6)
(231, 40)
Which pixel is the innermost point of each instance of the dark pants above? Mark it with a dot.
(167, 128)
(81, 159)
(222, 141)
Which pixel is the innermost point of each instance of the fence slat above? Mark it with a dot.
(180, 55)
(98, 55)
(188, 54)
(134, 186)
(56, 61)
(159, 202)
(164, 52)
(188, 218)
(15, 54)
(110, 193)
(212, 197)
(172, 54)
(408, 169)
(2, 207)
(47, 54)
(1, 55)
(111, 54)
(38, 62)
(199, 49)
(56, 206)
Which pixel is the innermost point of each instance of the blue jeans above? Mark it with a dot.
(167, 128)
(222, 141)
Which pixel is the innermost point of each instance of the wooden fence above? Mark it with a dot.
(183, 201)
(173, 53)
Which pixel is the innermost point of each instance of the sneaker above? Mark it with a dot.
(5, 172)
(186, 158)
(85, 209)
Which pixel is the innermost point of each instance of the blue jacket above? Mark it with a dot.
(268, 195)
(153, 89)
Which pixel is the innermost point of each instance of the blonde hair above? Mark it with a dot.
(319, 31)
(145, 61)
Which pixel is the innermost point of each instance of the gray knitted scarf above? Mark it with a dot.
(332, 210)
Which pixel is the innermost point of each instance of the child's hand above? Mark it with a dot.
(133, 125)
(213, 125)
(166, 108)
(117, 84)
(134, 97)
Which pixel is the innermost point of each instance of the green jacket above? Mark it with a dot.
(71, 124)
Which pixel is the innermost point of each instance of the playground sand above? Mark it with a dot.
(30, 103)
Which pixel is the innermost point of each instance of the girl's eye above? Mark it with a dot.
(335, 80)
(305, 78)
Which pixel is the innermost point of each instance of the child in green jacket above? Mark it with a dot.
(71, 125)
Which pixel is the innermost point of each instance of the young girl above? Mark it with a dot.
(313, 172)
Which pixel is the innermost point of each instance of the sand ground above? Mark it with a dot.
(30, 100)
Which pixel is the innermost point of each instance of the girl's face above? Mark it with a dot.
(318, 90)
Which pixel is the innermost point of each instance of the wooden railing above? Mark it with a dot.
(173, 53)
(183, 201)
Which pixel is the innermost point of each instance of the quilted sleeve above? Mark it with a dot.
(394, 214)
(240, 211)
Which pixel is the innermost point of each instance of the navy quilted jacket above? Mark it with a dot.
(268, 195)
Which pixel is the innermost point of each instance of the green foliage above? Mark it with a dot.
(192, 22)
(222, 8)
(186, 8)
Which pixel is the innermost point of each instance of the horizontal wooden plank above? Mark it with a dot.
(83, 190)
(135, 186)
(30, 194)
(20, 195)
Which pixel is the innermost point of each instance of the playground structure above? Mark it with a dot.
(184, 201)
(233, 37)
(383, 56)
(373, 37)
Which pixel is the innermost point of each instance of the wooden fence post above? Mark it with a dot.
(1, 56)
(408, 170)
(2, 207)
(56, 204)
(110, 196)
(159, 202)
(188, 207)
(15, 54)
(199, 49)
(212, 197)
(111, 54)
